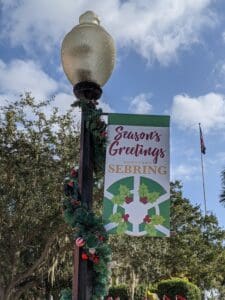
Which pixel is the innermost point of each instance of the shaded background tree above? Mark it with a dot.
(37, 146)
(195, 249)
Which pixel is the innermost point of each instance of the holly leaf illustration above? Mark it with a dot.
(150, 229)
(116, 218)
(143, 190)
(121, 228)
(124, 191)
(157, 220)
(118, 199)
(152, 197)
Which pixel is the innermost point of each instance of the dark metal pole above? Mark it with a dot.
(86, 188)
(75, 272)
(82, 276)
(82, 285)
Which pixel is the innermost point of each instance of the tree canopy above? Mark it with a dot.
(195, 249)
(37, 145)
(37, 148)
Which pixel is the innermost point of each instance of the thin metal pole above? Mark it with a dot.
(82, 275)
(202, 167)
(88, 92)
(75, 272)
(203, 183)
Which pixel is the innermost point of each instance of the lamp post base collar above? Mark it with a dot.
(87, 90)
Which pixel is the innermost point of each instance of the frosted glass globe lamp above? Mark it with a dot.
(88, 57)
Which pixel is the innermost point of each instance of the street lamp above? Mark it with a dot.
(88, 56)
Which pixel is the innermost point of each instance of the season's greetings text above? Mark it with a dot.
(137, 149)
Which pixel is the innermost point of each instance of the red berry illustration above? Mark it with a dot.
(126, 217)
(147, 219)
(128, 199)
(144, 200)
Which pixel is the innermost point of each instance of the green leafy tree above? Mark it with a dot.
(37, 145)
(36, 150)
(195, 249)
(138, 260)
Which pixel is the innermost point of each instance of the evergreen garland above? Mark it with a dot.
(66, 294)
(97, 128)
(89, 232)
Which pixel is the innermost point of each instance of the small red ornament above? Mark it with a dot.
(101, 238)
(128, 199)
(144, 200)
(75, 202)
(147, 219)
(103, 133)
(95, 259)
(84, 256)
(80, 242)
(70, 183)
(73, 173)
(126, 217)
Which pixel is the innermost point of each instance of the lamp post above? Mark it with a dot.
(88, 56)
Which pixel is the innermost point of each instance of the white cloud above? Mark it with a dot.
(209, 110)
(155, 29)
(21, 76)
(183, 172)
(140, 104)
(25, 76)
(106, 108)
(63, 101)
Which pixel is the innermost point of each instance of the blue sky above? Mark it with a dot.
(170, 60)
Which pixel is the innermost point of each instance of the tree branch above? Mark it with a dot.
(22, 289)
(30, 271)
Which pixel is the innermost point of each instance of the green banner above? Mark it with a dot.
(136, 190)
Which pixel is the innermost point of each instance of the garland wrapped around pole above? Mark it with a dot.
(89, 232)
(97, 127)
